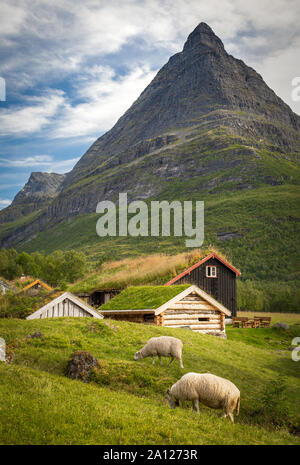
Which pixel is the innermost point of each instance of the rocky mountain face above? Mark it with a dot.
(202, 94)
(40, 189)
(206, 124)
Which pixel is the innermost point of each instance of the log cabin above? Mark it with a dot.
(181, 306)
(215, 276)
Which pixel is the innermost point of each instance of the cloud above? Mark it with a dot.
(26, 119)
(65, 39)
(63, 166)
(4, 187)
(279, 78)
(37, 160)
(11, 19)
(44, 162)
(105, 98)
(5, 203)
(100, 97)
(60, 37)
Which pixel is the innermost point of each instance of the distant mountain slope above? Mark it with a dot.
(208, 128)
(40, 189)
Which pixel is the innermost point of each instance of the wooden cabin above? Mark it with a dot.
(215, 276)
(36, 286)
(65, 305)
(98, 297)
(186, 307)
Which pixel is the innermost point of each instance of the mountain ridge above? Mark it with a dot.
(39, 190)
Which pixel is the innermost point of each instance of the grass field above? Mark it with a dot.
(260, 217)
(125, 403)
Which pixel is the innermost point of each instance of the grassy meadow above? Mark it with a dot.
(125, 402)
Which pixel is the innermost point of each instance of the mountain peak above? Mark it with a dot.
(203, 36)
(40, 185)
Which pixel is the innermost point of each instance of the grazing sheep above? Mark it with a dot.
(163, 346)
(211, 390)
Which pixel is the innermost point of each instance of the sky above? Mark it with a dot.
(71, 68)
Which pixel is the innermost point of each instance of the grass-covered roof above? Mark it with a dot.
(144, 270)
(142, 297)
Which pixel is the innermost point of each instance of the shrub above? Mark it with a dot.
(19, 305)
(56, 269)
(274, 401)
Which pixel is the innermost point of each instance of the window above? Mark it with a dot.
(211, 271)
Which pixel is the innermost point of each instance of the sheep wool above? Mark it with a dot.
(163, 346)
(211, 390)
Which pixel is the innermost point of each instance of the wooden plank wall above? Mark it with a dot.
(196, 313)
(222, 288)
(65, 308)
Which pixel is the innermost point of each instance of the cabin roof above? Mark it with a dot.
(143, 299)
(37, 281)
(60, 298)
(201, 293)
(191, 268)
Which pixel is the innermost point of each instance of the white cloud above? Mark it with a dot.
(62, 166)
(30, 118)
(44, 162)
(59, 40)
(61, 35)
(279, 78)
(5, 202)
(106, 97)
(4, 187)
(11, 18)
(37, 160)
(103, 98)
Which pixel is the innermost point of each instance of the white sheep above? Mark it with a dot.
(211, 390)
(163, 346)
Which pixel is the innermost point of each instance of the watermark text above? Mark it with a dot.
(135, 219)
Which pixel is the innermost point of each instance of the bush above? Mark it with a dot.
(56, 269)
(19, 305)
(274, 401)
(268, 296)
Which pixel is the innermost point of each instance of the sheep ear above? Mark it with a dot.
(168, 391)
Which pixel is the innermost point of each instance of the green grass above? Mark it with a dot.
(142, 297)
(266, 219)
(39, 405)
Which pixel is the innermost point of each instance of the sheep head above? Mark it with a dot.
(138, 355)
(173, 402)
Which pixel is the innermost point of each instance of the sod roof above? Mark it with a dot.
(143, 297)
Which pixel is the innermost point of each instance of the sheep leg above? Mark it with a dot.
(153, 360)
(231, 417)
(180, 362)
(160, 361)
(196, 405)
(172, 358)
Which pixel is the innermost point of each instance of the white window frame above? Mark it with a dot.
(211, 271)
